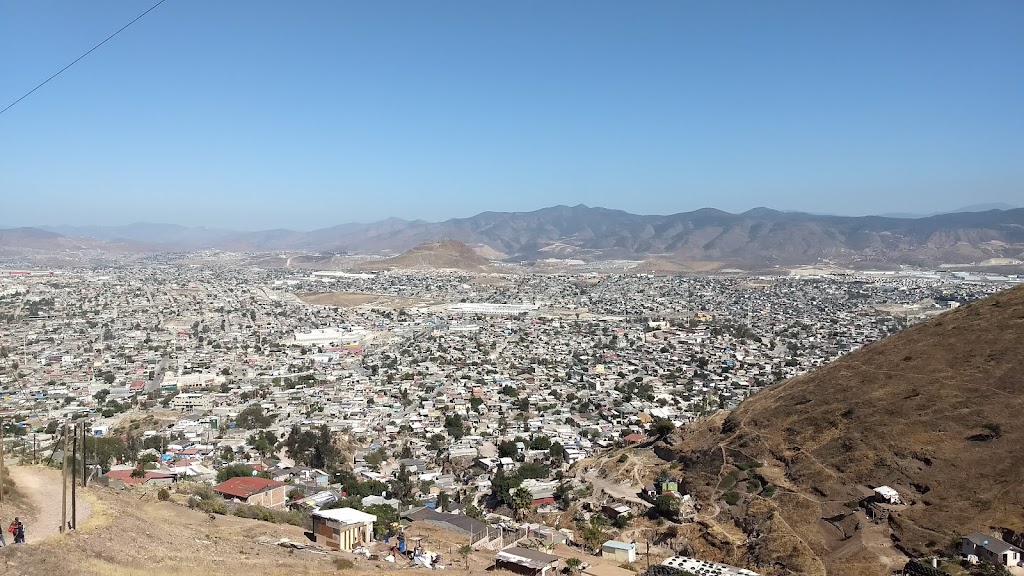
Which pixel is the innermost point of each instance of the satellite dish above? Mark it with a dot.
(254, 472)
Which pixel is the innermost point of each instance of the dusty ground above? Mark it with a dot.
(130, 533)
(41, 488)
(353, 299)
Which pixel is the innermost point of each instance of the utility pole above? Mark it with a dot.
(1, 461)
(64, 484)
(85, 469)
(74, 473)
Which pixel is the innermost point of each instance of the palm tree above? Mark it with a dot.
(522, 501)
(573, 564)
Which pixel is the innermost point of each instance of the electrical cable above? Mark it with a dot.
(44, 82)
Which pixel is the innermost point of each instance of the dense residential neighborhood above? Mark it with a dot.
(483, 404)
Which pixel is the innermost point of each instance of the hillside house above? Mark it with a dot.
(343, 528)
(989, 549)
(619, 551)
(254, 491)
(526, 561)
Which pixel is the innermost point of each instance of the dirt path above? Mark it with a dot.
(42, 487)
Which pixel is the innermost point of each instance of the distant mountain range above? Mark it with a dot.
(757, 237)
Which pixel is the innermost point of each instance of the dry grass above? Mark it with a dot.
(933, 411)
(131, 534)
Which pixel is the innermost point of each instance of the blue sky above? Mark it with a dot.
(256, 114)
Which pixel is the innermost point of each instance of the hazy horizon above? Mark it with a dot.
(968, 208)
(257, 115)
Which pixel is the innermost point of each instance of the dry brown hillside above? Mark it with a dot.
(434, 255)
(934, 411)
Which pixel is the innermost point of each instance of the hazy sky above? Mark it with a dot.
(253, 114)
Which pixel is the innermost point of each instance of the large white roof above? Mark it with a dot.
(346, 515)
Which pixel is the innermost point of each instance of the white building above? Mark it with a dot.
(192, 402)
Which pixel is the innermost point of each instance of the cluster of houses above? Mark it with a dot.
(472, 376)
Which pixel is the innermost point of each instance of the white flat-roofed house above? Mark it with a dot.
(343, 528)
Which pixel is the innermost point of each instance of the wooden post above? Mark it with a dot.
(85, 469)
(1, 461)
(64, 484)
(74, 480)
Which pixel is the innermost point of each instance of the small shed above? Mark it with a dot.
(342, 528)
(619, 551)
(526, 561)
(614, 511)
(888, 495)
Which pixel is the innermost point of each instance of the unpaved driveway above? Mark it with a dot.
(42, 487)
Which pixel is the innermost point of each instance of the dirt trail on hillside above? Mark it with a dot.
(42, 487)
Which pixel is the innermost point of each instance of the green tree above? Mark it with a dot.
(386, 516)
(454, 426)
(233, 471)
(252, 418)
(403, 486)
(376, 457)
(507, 449)
(532, 470)
(465, 550)
(502, 486)
(667, 506)
(662, 428)
(443, 501)
(522, 502)
(540, 443)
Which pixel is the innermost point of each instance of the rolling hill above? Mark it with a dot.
(444, 254)
(933, 411)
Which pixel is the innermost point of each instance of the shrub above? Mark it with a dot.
(769, 490)
(623, 458)
(727, 482)
(732, 498)
(211, 506)
(205, 492)
(343, 564)
(163, 495)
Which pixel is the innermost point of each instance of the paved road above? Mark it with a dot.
(158, 376)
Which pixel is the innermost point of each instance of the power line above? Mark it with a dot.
(44, 82)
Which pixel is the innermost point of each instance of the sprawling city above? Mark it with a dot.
(574, 288)
(503, 412)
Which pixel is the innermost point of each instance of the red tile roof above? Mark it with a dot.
(634, 437)
(246, 486)
(126, 476)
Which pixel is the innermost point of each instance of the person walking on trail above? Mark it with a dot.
(18, 529)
